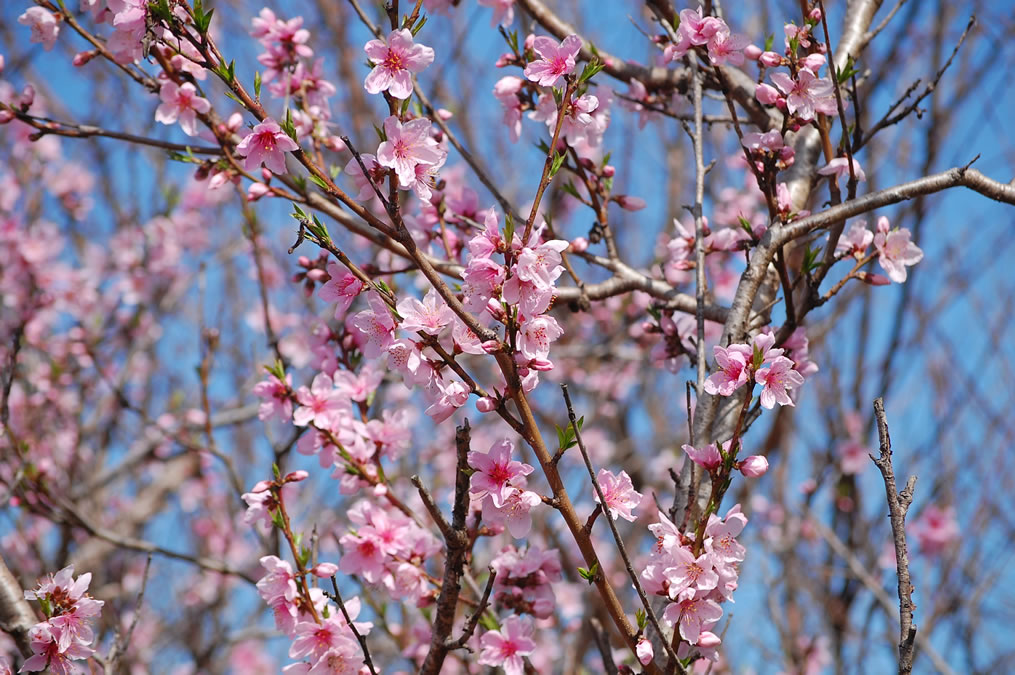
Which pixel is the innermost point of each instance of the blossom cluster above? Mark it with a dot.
(66, 636)
(761, 362)
(695, 580)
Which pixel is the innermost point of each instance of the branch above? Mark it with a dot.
(898, 505)
(16, 615)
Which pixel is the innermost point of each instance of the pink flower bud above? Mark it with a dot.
(324, 570)
(486, 404)
(770, 59)
(295, 476)
(579, 244)
(873, 279)
(630, 203)
(754, 466)
(256, 191)
(813, 62)
(541, 364)
(530, 40)
(491, 346)
(335, 144)
(81, 58)
(445, 114)
(27, 98)
(317, 275)
(266, 174)
(644, 651)
(767, 94)
(1, 63)
(504, 60)
(6, 116)
(752, 52)
(261, 486)
(234, 122)
(815, 14)
(609, 171)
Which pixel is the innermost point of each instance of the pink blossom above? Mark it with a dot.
(734, 363)
(621, 497)
(430, 316)
(267, 144)
(494, 472)
(314, 640)
(274, 397)
(342, 287)
(536, 334)
(778, 379)
(451, 396)
(727, 48)
(346, 658)
(855, 240)
(503, 11)
(181, 102)
(722, 535)
(807, 95)
(376, 325)
(278, 582)
(936, 529)
(839, 167)
(363, 554)
(408, 145)
(895, 250)
(754, 466)
(767, 94)
(557, 61)
(48, 655)
(320, 404)
(395, 62)
(707, 456)
(694, 616)
(687, 572)
(44, 25)
(697, 29)
(365, 182)
(506, 91)
(514, 513)
(508, 646)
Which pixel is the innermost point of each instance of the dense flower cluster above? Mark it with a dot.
(66, 635)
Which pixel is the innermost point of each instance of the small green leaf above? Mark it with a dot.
(589, 574)
(509, 228)
(276, 519)
(641, 618)
(257, 84)
(288, 127)
(419, 26)
(558, 161)
(592, 68)
(318, 181)
(769, 41)
(488, 621)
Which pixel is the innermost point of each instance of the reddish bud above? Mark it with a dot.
(579, 244)
(324, 570)
(261, 486)
(815, 14)
(873, 279)
(295, 476)
(609, 171)
(81, 58)
(629, 203)
(770, 59)
(486, 404)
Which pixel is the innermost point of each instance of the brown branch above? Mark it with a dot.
(898, 505)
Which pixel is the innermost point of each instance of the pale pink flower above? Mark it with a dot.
(267, 144)
(936, 529)
(707, 456)
(365, 182)
(451, 396)
(274, 397)
(43, 24)
(734, 363)
(722, 535)
(346, 658)
(181, 102)
(621, 497)
(342, 287)
(508, 646)
(363, 554)
(408, 145)
(687, 572)
(503, 11)
(855, 240)
(49, 656)
(430, 316)
(643, 650)
(807, 95)
(839, 167)
(278, 582)
(694, 616)
(506, 91)
(558, 59)
(778, 378)
(727, 48)
(395, 62)
(376, 325)
(494, 472)
(697, 29)
(315, 639)
(514, 513)
(895, 250)
(320, 404)
(536, 335)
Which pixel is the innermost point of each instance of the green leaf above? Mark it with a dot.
(318, 181)
(810, 262)
(275, 471)
(276, 519)
(234, 97)
(589, 575)
(849, 71)
(509, 228)
(558, 161)
(570, 189)
(46, 607)
(488, 621)
(592, 68)
(201, 18)
(300, 212)
(769, 41)
(419, 26)
(641, 618)
(257, 84)
(334, 170)
(288, 127)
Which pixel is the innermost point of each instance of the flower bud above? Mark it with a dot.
(767, 94)
(609, 171)
(491, 346)
(644, 651)
(486, 404)
(579, 244)
(770, 59)
(873, 279)
(629, 203)
(445, 114)
(813, 62)
(324, 570)
(752, 52)
(815, 14)
(81, 58)
(541, 364)
(295, 476)
(27, 98)
(256, 191)
(261, 486)
(754, 466)
(6, 116)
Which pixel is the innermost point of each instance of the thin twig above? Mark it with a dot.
(352, 626)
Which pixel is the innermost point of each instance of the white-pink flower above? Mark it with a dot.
(503, 11)
(320, 404)
(733, 362)
(807, 95)
(508, 646)
(376, 325)
(621, 497)
(395, 62)
(778, 378)
(408, 145)
(430, 315)
(342, 287)
(494, 472)
(694, 616)
(43, 24)
(558, 59)
(536, 335)
(839, 167)
(181, 103)
(267, 144)
(895, 250)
